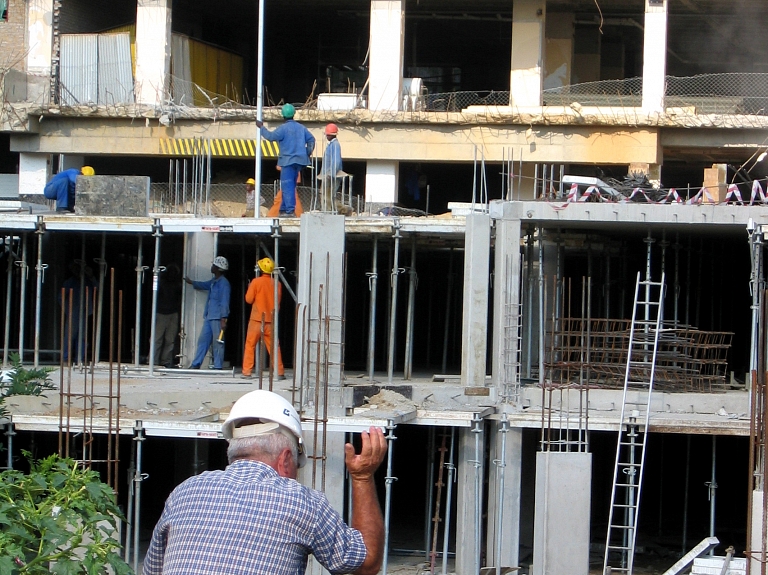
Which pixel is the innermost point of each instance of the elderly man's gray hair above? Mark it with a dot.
(265, 447)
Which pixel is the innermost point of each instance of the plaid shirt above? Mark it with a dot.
(249, 520)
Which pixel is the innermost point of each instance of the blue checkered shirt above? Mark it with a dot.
(249, 520)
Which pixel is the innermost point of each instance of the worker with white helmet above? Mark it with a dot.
(261, 296)
(254, 518)
(215, 314)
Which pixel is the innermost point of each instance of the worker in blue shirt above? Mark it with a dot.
(296, 145)
(215, 314)
(61, 187)
(331, 173)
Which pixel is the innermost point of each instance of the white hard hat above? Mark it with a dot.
(269, 409)
(221, 263)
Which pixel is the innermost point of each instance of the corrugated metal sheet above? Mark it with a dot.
(79, 69)
(115, 71)
(183, 92)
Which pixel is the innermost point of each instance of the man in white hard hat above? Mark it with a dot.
(254, 518)
(215, 314)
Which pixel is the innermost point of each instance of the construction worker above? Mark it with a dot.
(296, 146)
(167, 319)
(62, 186)
(255, 518)
(331, 173)
(250, 198)
(261, 296)
(215, 314)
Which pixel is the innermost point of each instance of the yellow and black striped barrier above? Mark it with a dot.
(219, 148)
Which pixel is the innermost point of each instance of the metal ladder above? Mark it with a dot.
(630, 448)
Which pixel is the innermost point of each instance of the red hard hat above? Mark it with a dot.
(331, 129)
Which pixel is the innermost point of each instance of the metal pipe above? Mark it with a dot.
(182, 316)
(388, 480)
(448, 502)
(529, 304)
(501, 464)
(8, 283)
(477, 462)
(137, 479)
(373, 284)
(157, 232)
(393, 308)
(275, 314)
(541, 308)
(259, 107)
(40, 268)
(712, 485)
(102, 272)
(280, 274)
(685, 493)
(429, 489)
(23, 295)
(412, 283)
(139, 280)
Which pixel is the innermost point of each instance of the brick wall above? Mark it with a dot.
(12, 36)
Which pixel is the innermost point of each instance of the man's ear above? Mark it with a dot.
(285, 464)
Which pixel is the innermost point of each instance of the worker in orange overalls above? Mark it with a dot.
(261, 296)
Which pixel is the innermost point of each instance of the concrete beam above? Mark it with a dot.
(474, 329)
(385, 142)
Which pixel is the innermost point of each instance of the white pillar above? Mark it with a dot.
(153, 50)
(381, 182)
(654, 55)
(34, 171)
(201, 249)
(39, 36)
(477, 252)
(528, 17)
(386, 58)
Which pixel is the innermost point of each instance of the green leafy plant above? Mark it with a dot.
(59, 518)
(23, 381)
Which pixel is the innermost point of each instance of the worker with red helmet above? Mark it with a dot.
(254, 517)
(330, 173)
(261, 296)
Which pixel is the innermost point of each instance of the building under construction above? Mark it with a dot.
(550, 291)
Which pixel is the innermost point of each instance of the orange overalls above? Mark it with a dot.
(261, 295)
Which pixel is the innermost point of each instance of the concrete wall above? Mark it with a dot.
(12, 34)
(561, 524)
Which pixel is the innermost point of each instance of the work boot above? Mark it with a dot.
(247, 376)
(281, 377)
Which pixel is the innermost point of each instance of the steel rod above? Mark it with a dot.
(82, 315)
(156, 269)
(477, 463)
(412, 283)
(40, 268)
(100, 305)
(259, 105)
(501, 464)
(388, 492)
(137, 479)
(139, 280)
(8, 284)
(712, 493)
(275, 314)
(393, 307)
(373, 285)
(429, 495)
(23, 295)
(448, 503)
(182, 316)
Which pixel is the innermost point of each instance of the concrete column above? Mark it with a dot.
(201, 248)
(386, 58)
(756, 544)
(39, 36)
(505, 359)
(153, 50)
(510, 503)
(716, 181)
(558, 60)
(381, 182)
(466, 497)
(654, 55)
(562, 516)
(34, 172)
(321, 261)
(477, 251)
(528, 17)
